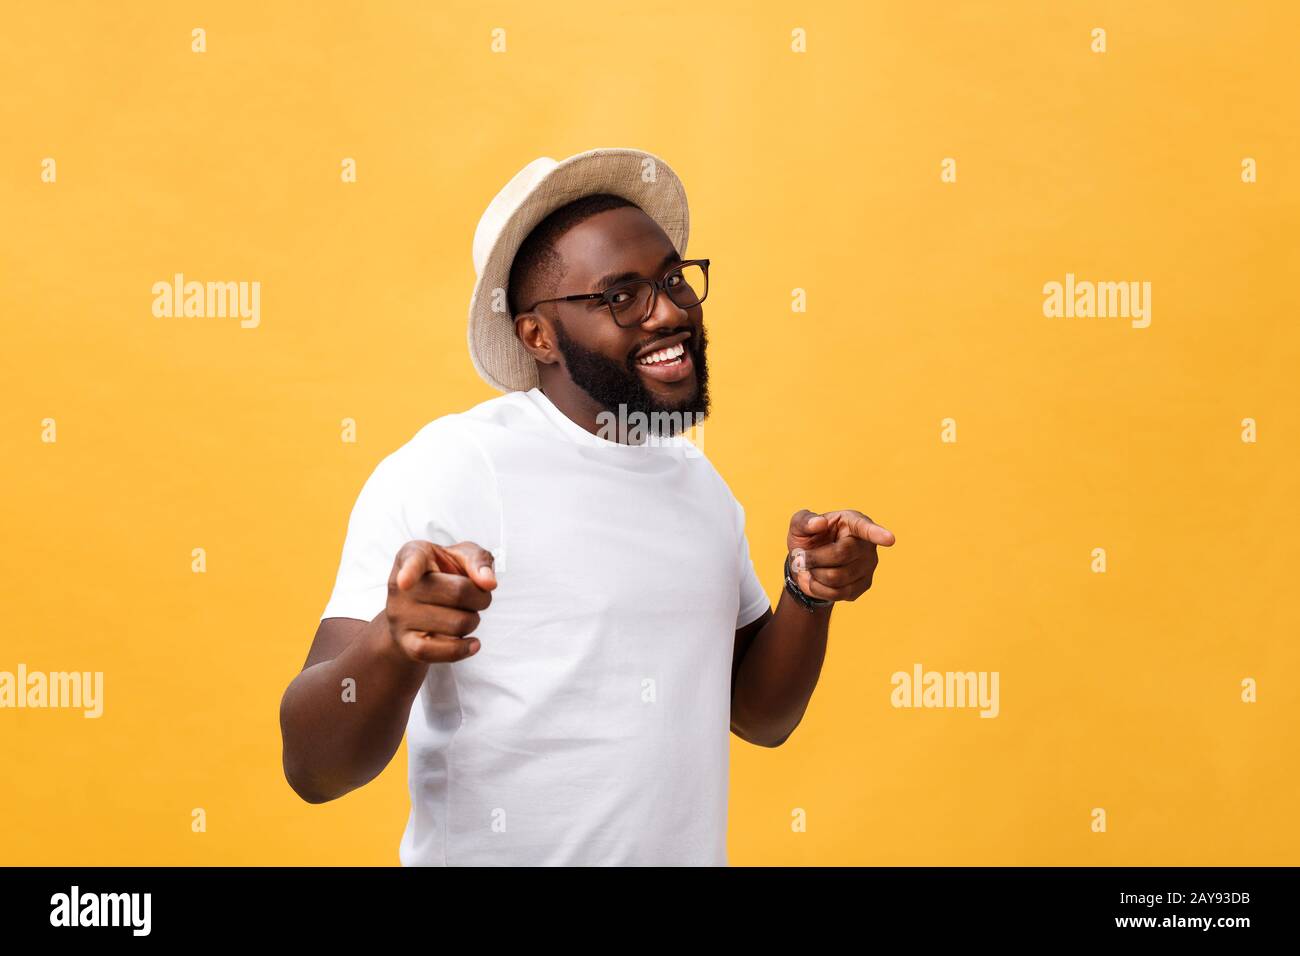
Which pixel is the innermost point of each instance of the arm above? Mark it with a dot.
(773, 681)
(332, 746)
(335, 742)
(778, 658)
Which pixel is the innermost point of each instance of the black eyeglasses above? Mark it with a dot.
(631, 303)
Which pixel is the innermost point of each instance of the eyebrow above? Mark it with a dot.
(614, 278)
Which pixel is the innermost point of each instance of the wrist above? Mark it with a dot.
(806, 601)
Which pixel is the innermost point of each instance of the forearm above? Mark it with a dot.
(338, 738)
(778, 673)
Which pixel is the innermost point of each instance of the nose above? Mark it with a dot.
(666, 314)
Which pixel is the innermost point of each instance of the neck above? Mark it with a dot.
(581, 409)
(577, 406)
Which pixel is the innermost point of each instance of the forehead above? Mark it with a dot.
(616, 240)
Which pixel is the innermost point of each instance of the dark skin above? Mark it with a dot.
(436, 594)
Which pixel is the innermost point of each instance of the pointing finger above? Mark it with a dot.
(474, 562)
(860, 526)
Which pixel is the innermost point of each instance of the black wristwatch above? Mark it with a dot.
(805, 601)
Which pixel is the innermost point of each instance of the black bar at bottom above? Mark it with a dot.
(208, 904)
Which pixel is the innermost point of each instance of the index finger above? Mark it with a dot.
(472, 560)
(863, 527)
(440, 589)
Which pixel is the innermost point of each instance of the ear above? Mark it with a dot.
(535, 333)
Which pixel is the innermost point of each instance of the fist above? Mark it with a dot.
(833, 555)
(434, 596)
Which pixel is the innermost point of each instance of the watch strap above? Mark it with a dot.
(805, 601)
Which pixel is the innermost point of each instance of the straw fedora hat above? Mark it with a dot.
(534, 192)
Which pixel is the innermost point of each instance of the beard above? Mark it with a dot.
(610, 383)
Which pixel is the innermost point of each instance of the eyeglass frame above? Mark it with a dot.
(657, 285)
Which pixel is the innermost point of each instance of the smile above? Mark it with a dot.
(665, 357)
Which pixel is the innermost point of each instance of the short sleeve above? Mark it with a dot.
(437, 487)
(754, 601)
(376, 531)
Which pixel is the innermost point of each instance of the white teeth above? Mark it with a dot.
(664, 355)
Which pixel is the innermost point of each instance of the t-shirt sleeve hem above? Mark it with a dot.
(363, 606)
(748, 615)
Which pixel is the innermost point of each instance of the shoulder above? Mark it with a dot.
(441, 482)
(451, 442)
(712, 478)
(694, 455)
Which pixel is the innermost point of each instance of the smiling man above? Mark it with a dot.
(567, 628)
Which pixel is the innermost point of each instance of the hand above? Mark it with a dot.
(834, 554)
(434, 596)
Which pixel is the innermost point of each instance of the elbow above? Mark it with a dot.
(310, 796)
(754, 726)
(300, 784)
(313, 798)
(769, 742)
(296, 773)
(758, 739)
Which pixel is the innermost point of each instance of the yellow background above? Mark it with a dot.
(817, 171)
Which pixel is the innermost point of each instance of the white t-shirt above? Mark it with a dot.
(593, 725)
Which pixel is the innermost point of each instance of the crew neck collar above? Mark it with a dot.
(577, 433)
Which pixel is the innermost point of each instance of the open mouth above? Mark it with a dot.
(669, 365)
(665, 358)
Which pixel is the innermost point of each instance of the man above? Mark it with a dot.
(556, 604)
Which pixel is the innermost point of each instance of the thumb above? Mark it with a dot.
(808, 523)
(413, 561)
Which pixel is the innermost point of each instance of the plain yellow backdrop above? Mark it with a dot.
(817, 171)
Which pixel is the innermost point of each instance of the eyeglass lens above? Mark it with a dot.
(631, 303)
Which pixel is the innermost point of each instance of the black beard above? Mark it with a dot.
(611, 384)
